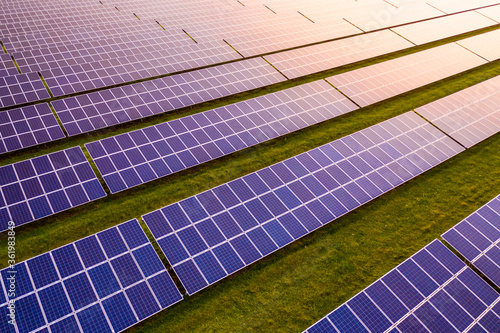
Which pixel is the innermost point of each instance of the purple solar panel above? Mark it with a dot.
(45, 185)
(213, 234)
(105, 108)
(28, 126)
(137, 157)
(7, 67)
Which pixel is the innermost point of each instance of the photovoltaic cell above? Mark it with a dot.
(432, 291)
(45, 185)
(377, 82)
(28, 126)
(137, 157)
(106, 282)
(320, 57)
(470, 115)
(477, 238)
(105, 108)
(292, 198)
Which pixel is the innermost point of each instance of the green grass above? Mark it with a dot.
(291, 289)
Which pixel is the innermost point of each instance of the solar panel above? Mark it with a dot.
(447, 26)
(470, 115)
(484, 45)
(320, 57)
(105, 108)
(385, 14)
(7, 67)
(432, 291)
(45, 185)
(106, 282)
(377, 82)
(213, 234)
(454, 6)
(477, 238)
(140, 156)
(28, 126)
(21, 88)
(492, 12)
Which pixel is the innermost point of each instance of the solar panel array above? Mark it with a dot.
(484, 45)
(45, 185)
(140, 156)
(215, 233)
(320, 57)
(133, 65)
(432, 291)
(21, 88)
(101, 109)
(106, 282)
(477, 238)
(377, 82)
(429, 31)
(28, 126)
(470, 115)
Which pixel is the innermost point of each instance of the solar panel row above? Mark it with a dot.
(106, 282)
(470, 115)
(7, 66)
(140, 156)
(215, 233)
(453, 6)
(320, 57)
(377, 82)
(477, 238)
(105, 108)
(432, 291)
(491, 12)
(45, 185)
(28, 126)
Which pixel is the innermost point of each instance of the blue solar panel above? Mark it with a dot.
(137, 157)
(45, 185)
(123, 282)
(477, 238)
(453, 299)
(28, 126)
(105, 108)
(255, 215)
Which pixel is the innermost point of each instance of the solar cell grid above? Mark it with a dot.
(449, 6)
(7, 67)
(432, 291)
(106, 282)
(477, 238)
(28, 126)
(258, 219)
(317, 58)
(377, 82)
(105, 108)
(45, 185)
(21, 88)
(439, 28)
(134, 158)
(470, 115)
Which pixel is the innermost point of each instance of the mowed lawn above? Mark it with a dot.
(294, 287)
